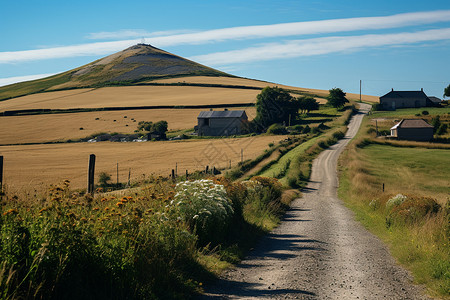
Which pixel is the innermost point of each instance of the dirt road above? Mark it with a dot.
(319, 251)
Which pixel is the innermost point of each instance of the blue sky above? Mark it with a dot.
(403, 45)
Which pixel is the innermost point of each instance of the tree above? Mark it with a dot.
(307, 104)
(436, 123)
(336, 98)
(447, 91)
(274, 105)
(144, 125)
(160, 126)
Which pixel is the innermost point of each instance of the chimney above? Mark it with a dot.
(392, 89)
(421, 89)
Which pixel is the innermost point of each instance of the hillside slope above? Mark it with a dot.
(127, 67)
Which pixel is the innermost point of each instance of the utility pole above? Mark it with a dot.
(360, 90)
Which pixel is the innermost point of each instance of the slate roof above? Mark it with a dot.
(435, 99)
(412, 123)
(221, 114)
(405, 94)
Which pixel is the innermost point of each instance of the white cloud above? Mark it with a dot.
(304, 28)
(65, 51)
(318, 46)
(235, 33)
(11, 80)
(131, 33)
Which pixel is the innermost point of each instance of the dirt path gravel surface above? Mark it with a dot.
(319, 251)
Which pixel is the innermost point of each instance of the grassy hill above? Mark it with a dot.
(128, 67)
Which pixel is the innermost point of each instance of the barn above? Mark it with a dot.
(412, 130)
(404, 99)
(221, 123)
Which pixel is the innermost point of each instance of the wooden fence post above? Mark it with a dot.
(187, 174)
(173, 174)
(91, 173)
(129, 175)
(1, 172)
(206, 169)
(117, 174)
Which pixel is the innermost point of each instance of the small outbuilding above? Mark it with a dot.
(221, 123)
(412, 130)
(404, 99)
(435, 100)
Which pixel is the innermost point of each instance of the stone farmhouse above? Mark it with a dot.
(405, 99)
(221, 123)
(412, 130)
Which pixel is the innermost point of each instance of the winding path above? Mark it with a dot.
(319, 251)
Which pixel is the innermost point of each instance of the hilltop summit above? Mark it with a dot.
(138, 63)
(133, 65)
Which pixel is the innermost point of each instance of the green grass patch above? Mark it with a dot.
(403, 169)
(410, 112)
(417, 229)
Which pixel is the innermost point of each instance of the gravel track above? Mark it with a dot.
(319, 251)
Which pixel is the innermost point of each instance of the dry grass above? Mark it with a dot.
(261, 84)
(61, 127)
(36, 166)
(131, 96)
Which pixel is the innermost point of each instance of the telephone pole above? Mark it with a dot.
(360, 90)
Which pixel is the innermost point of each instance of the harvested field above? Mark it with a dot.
(131, 96)
(36, 166)
(261, 84)
(61, 127)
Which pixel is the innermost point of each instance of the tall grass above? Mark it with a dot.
(147, 245)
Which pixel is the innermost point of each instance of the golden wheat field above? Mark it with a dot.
(261, 84)
(61, 127)
(131, 96)
(30, 167)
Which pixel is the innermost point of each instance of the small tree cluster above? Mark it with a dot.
(274, 105)
(160, 126)
(307, 104)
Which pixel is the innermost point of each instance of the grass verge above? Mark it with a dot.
(416, 228)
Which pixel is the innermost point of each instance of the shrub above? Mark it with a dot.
(425, 112)
(323, 126)
(442, 129)
(316, 130)
(104, 178)
(338, 135)
(322, 144)
(411, 209)
(307, 129)
(277, 129)
(297, 128)
(436, 122)
(205, 207)
(395, 201)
